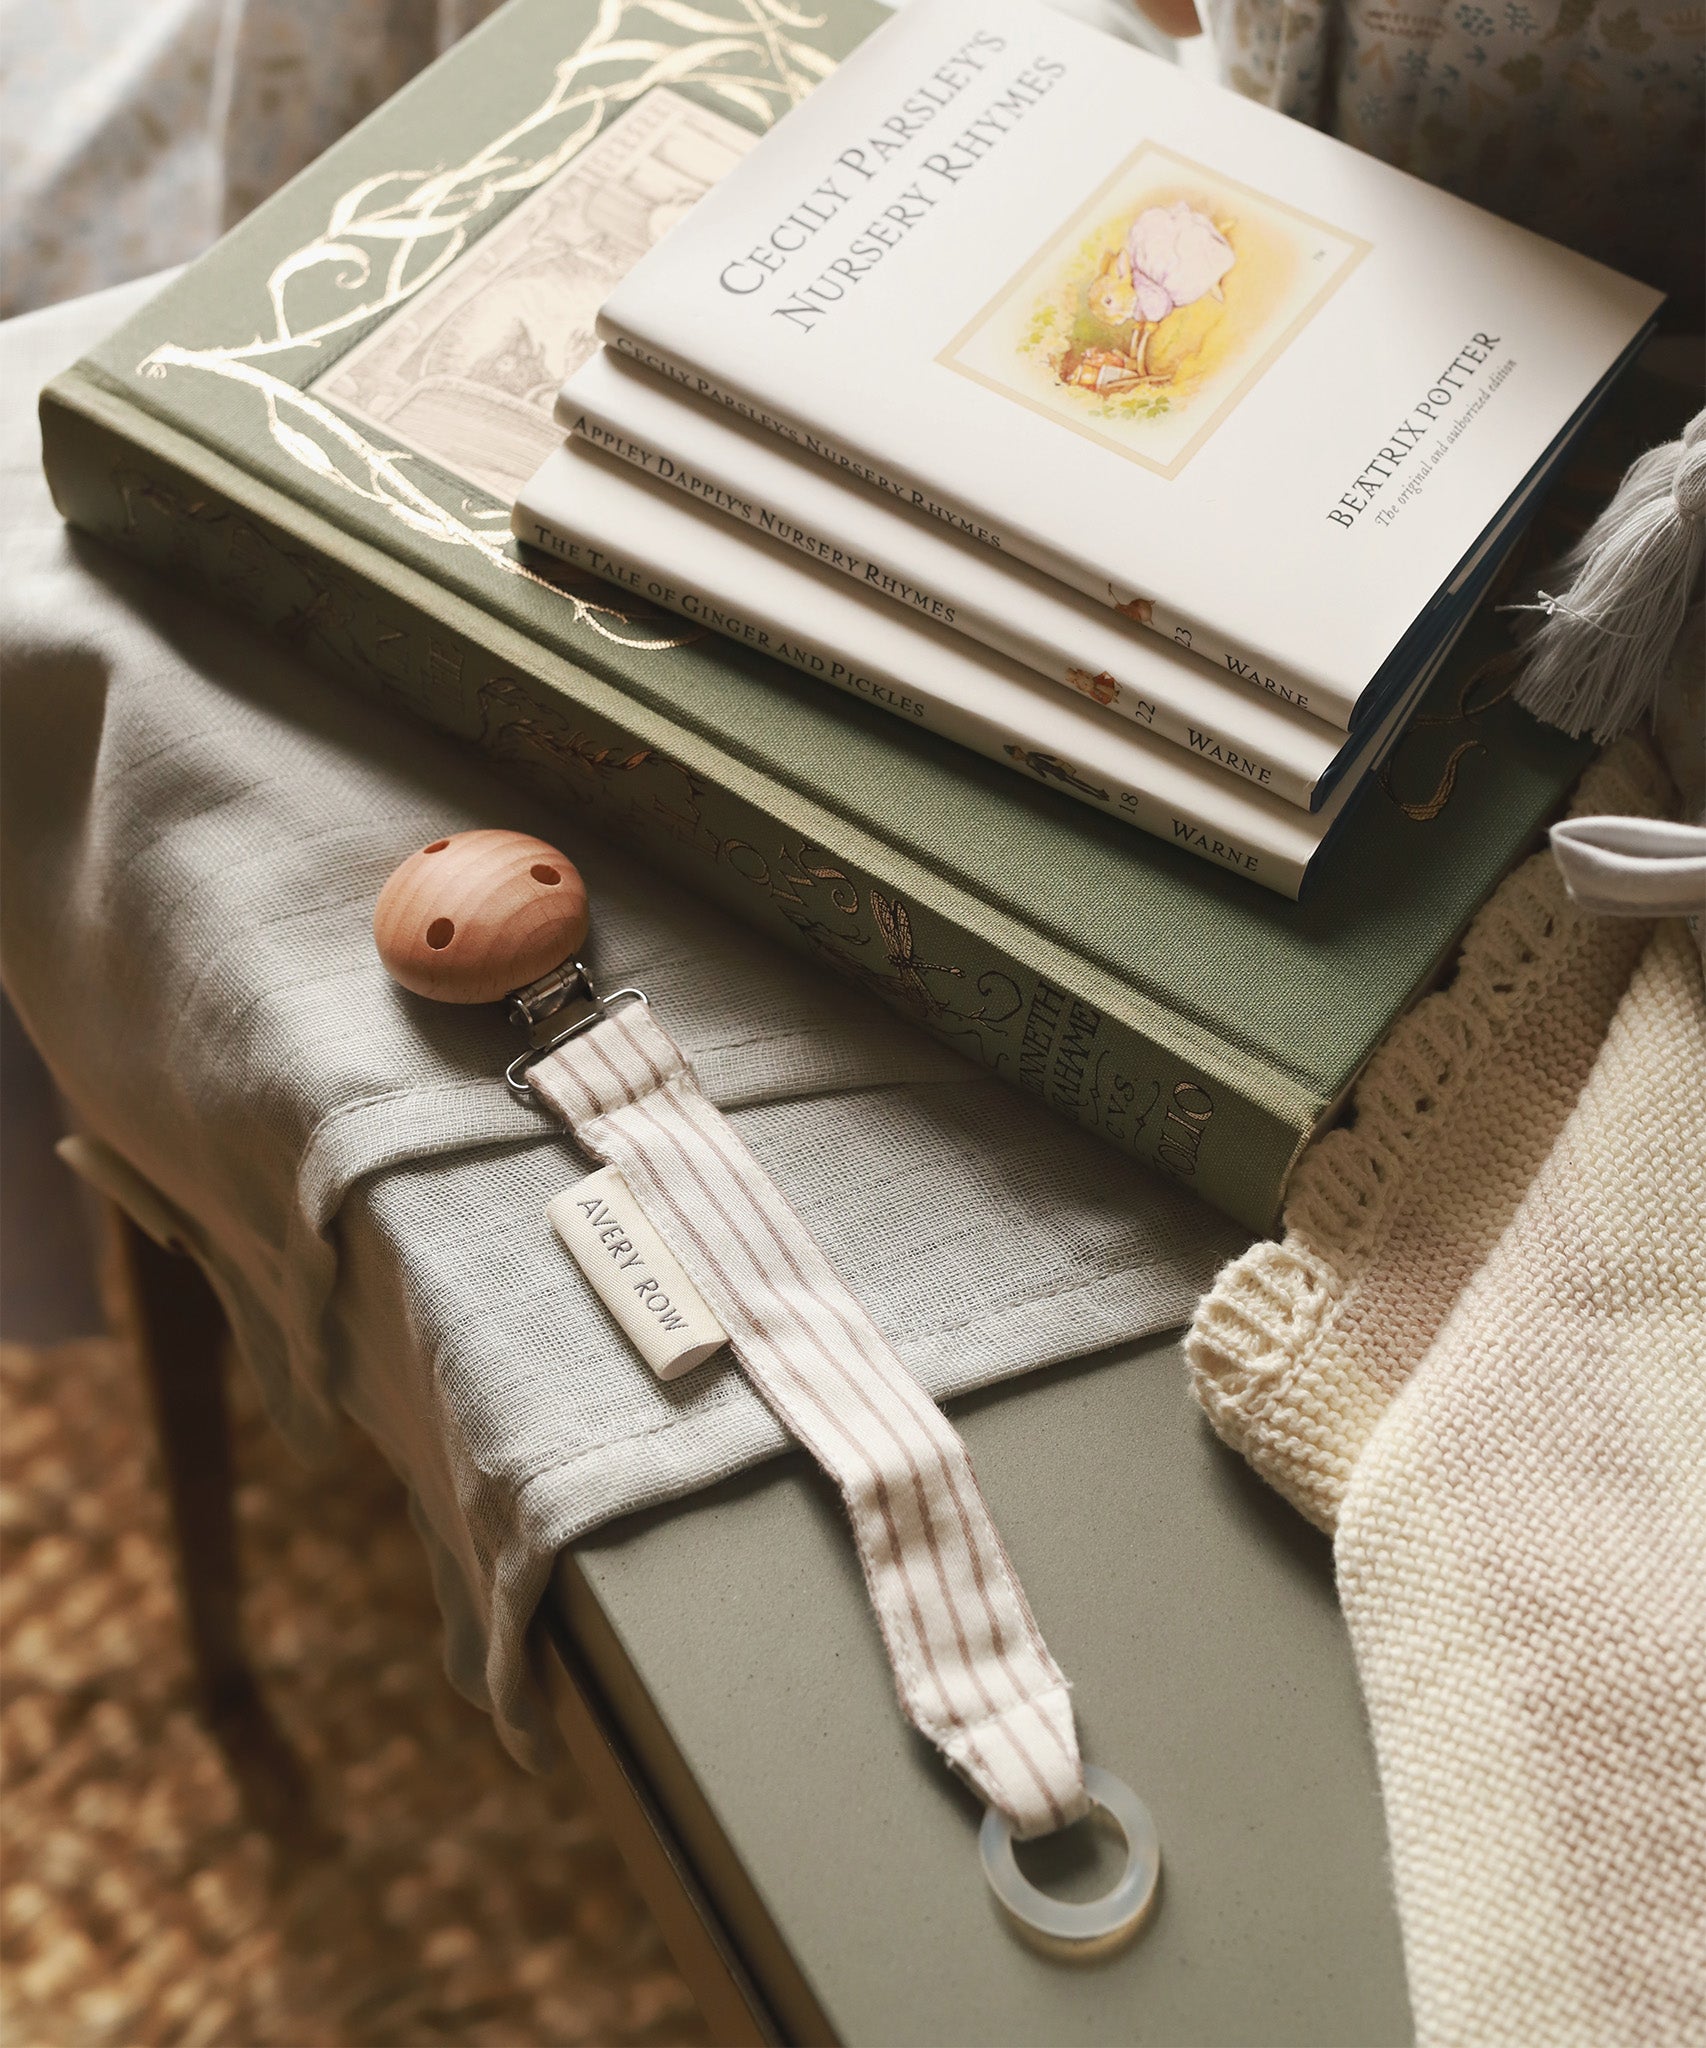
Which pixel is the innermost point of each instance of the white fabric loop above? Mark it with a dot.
(1632, 867)
(970, 1664)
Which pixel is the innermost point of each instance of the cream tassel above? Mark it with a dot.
(1598, 658)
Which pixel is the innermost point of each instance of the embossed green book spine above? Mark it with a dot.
(321, 424)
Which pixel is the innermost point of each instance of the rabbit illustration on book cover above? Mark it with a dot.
(1151, 309)
(1171, 257)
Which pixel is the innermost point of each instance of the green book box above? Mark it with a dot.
(354, 505)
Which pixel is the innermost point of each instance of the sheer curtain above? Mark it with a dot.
(131, 135)
(133, 132)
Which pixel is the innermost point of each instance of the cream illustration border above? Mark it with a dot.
(1277, 347)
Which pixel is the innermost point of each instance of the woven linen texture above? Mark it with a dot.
(195, 827)
(970, 1664)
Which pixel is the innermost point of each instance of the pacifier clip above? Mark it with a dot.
(690, 1244)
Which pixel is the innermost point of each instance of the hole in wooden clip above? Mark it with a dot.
(548, 875)
(437, 846)
(440, 933)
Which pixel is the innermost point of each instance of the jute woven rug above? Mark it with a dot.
(451, 1899)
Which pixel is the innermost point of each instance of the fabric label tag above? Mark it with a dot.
(636, 1275)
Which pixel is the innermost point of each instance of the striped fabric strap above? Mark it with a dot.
(973, 1672)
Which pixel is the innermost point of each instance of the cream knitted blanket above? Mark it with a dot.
(1479, 1358)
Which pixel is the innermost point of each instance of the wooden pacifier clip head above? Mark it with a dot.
(691, 1246)
(479, 916)
(488, 916)
(484, 915)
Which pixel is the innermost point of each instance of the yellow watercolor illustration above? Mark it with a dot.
(1155, 301)
(1150, 313)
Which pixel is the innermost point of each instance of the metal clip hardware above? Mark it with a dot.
(549, 994)
(542, 998)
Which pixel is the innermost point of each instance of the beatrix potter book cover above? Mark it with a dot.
(932, 573)
(1143, 321)
(1193, 359)
(605, 515)
(1195, 1021)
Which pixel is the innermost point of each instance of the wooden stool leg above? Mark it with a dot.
(179, 1331)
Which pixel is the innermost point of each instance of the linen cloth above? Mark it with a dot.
(195, 829)
(970, 1665)
(1479, 1358)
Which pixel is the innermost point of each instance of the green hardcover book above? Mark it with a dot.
(323, 422)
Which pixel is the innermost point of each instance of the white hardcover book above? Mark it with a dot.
(924, 566)
(1195, 359)
(608, 518)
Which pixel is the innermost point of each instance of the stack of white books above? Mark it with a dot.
(1097, 418)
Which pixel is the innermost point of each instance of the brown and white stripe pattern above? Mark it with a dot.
(973, 1672)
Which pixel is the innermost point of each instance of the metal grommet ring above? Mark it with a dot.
(1097, 1926)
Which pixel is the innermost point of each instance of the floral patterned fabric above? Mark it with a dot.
(1579, 118)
